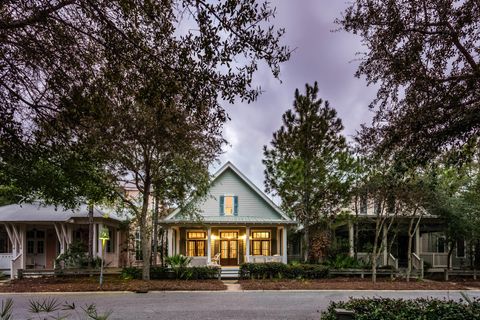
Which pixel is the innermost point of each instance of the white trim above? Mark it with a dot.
(229, 165)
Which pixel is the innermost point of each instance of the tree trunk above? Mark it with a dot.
(155, 232)
(306, 249)
(409, 250)
(145, 233)
(90, 235)
(450, 251)
(378, 227)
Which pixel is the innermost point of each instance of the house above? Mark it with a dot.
(236, 223)
(428, 242)
(33, 235)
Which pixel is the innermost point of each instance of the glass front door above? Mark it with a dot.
(229, 248)
(35, 249)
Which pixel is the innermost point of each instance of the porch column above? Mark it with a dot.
(177, 241)
(170, 241)
(117, 249)
(417, 241)
(351, 250)
(99, 242)
(385, 245)
(209, 245)
(284, 245)
(247, 244)
(95, 241)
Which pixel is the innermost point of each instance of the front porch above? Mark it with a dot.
(228, 245)
(37, 245)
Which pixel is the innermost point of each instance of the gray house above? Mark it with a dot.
(237, 223)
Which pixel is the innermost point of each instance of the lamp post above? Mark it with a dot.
(104, 236)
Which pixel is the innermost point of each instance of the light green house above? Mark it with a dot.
(237, 223)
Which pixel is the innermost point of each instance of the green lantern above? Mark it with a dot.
(104, 235)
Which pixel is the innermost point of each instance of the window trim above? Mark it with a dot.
(269, 239)
(225, 205)
(205, 240)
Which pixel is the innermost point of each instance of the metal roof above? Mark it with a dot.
(29, 212)
(229, 220)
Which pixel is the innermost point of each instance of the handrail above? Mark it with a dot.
(395, 260)
(13, 268)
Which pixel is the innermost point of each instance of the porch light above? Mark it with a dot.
(213, 237)
(104, 236)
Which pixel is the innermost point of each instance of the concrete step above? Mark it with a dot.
(229, 273)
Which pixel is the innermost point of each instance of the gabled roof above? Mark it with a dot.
(39, 212)
(283, 218)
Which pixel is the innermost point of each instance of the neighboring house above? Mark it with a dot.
(428, 243)
(32, 236)
(236, 223)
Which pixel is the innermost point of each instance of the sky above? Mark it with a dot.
(320, 55)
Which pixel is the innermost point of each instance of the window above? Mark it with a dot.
(261, 243)
(196, 244)
(461, 248)
(228, 205)
(138, 245)
(363, 203)
(441, 244)
(228, 235)
(5, 245)
(110, 244)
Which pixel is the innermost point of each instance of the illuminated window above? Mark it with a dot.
(228, 235)
(261, 235)
(196, 244)
(261, 243)
(228, 206)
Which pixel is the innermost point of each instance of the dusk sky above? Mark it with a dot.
(321, 55)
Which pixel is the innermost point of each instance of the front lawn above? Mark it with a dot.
(350, 284)
(111, 283)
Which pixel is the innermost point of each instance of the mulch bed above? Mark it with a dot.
(111, 283)
(353, 284)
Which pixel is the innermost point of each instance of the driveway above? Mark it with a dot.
(217, 305)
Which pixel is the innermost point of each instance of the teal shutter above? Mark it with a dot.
(222, 201)
(235, 205)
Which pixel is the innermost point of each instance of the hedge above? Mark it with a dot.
(187, 273)
(273, 270)
(396, 309)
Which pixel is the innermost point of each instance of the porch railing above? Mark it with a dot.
(435, 259)
(5, 260)
(261, 259)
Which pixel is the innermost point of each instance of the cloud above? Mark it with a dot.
(321, 55)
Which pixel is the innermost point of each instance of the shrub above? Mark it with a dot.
(418, 309)
(130, 273)
(184, 273)
(343, 261)
(278, 270)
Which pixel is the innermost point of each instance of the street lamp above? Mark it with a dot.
(104, 236)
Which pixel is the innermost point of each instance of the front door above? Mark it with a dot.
(35, 249)
(228, 248)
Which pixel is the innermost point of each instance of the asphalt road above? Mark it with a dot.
(216, 305)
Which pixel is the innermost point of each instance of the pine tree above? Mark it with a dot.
(308, 164)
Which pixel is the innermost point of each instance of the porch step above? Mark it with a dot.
(229, 273)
